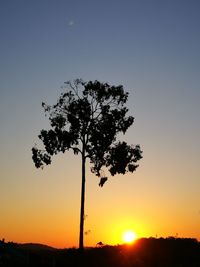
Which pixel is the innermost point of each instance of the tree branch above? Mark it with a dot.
(75, 89)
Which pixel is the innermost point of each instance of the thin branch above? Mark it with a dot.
(74, 89)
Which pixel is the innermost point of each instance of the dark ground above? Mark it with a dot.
(146, 252)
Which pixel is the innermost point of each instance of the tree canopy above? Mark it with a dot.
(87, 119)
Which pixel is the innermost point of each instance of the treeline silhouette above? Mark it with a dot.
(145, 252)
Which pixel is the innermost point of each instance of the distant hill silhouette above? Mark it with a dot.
(35, 246)
(145, 252)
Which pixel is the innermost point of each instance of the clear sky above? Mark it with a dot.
(149, 46)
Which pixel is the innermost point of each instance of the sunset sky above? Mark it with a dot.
(152, 47)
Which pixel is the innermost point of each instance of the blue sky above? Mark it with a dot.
(151, 47)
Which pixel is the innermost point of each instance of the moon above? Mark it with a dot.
(71, 23)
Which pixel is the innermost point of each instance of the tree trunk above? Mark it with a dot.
(81, 236)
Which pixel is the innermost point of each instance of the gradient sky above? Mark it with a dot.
(149, 46)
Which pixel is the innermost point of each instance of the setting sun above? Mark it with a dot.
(129, 236)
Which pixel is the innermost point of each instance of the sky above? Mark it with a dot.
(151, 47)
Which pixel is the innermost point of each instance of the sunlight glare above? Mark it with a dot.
(129, 236)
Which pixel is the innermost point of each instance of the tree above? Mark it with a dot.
(87, 119)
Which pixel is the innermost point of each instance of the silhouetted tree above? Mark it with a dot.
(87, 118)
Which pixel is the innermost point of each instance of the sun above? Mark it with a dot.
(129, 236)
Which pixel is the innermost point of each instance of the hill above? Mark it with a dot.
(145, 252)
(35, 246)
